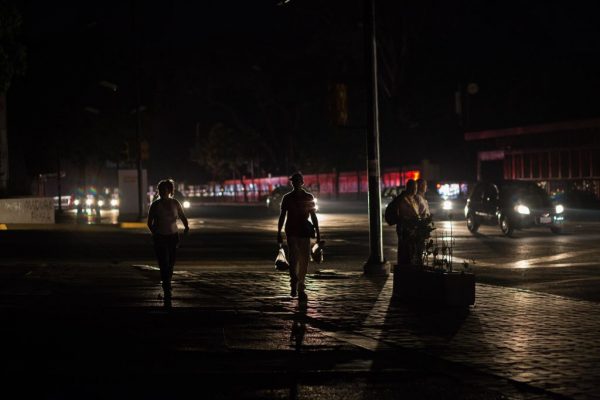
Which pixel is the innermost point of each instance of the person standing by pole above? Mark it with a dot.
(162, 222)
(421, 200)
(407, 215)
(296, 207)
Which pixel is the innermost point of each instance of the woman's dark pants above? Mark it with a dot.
(165, 246)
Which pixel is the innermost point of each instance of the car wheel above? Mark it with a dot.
(557, 230)
(472, 223)
(506, 226)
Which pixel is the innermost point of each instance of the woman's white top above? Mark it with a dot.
(165, 213)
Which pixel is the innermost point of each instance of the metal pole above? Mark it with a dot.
(138, 125)
(376, 264)
(58, 181)
(139, 158)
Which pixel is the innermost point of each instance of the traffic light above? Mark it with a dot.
(144, 150)
(125, 152)
(339, 104)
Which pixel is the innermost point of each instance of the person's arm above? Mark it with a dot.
(280, 225)
(315, 221)
(182, 217)
(151, 218)
(282, 215)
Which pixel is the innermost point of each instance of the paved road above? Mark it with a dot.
(225, 236)
(82, 315)
(100, 331)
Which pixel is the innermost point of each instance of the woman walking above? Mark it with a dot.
(162, 222)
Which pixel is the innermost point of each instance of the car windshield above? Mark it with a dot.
(526, 193)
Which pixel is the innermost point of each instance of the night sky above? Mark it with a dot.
(256, 77)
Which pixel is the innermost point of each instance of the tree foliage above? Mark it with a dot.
(12, 52)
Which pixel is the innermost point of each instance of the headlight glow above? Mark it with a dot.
(114, 202)
(76, 202)
(186, 204)
(89, 202)
(447, 205)
(560, 209)
(521, 209)
(100, 203)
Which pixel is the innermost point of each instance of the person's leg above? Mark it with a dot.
(418, 256)
(292, 242)
(403, 253)
(162, 256)
(173, 252)
(303, 256)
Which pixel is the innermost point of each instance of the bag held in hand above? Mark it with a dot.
(316, 252)
(281, 263)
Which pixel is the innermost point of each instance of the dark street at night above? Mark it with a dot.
(300, 199)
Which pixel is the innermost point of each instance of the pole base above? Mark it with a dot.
(377, 268)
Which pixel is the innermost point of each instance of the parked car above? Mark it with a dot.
(512, 205)
(388, 194)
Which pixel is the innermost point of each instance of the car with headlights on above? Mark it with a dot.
(512, 205)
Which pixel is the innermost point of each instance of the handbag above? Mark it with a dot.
(281, 263)
(316, 252)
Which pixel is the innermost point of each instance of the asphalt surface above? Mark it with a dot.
(82, 316)
(230, 236)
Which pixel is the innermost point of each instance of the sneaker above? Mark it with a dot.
(302, 297)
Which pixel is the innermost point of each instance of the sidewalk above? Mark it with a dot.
(87, 328)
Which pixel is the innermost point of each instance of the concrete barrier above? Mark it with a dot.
(30, 210)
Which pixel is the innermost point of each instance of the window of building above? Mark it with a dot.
(554, 165)
(575, 166)
(595, 162)
(586, 164)
(565, 162)
(535, 165)
(545, 157)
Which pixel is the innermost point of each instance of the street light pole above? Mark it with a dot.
(376, 264)
(138, 116)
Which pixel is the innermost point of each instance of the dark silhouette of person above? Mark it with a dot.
(408, 212)
(421, 200)
(296, 207)
(162, 222)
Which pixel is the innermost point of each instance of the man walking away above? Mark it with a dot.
(296, 207)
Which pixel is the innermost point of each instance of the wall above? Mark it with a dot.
(31, 210)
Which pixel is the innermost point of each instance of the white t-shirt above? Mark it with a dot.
(165, 213)
(423, 205)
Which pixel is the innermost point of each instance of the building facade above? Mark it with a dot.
(559, 156)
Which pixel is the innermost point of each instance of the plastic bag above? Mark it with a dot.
(316, 252)
(281, 263)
